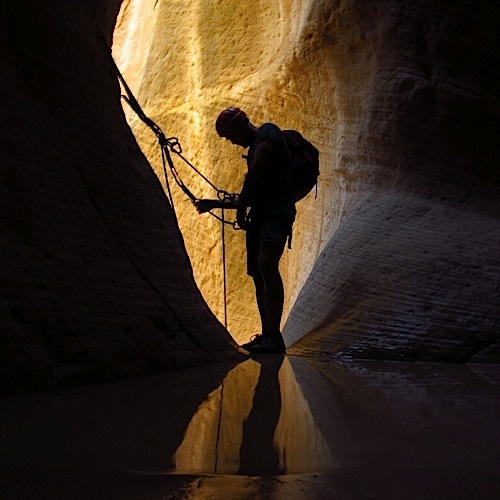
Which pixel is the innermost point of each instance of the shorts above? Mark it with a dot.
(275, 228)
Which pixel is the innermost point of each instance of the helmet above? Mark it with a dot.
(227, 118)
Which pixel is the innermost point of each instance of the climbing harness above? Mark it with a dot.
(170, 145)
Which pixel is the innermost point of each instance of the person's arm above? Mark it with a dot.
(204, 206)
(263, 149)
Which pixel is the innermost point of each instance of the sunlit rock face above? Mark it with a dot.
(95, 281)
(397, 257)
(186, 61)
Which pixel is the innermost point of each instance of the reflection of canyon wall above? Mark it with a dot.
(398, 254)
(228, 432)
(95, 282)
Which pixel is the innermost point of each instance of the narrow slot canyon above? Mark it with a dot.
(118, 377)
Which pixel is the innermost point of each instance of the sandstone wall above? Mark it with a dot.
(412, 272)
(397, 255)
(95, 281)
(188, 60)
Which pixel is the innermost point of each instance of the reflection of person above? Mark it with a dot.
(268, 224)
(258, 452)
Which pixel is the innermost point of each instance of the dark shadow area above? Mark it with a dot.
(412, 419)
(98, 285)
(129, 425)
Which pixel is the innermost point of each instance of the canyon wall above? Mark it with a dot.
(95, 283)
(397, 256)
(412, 271)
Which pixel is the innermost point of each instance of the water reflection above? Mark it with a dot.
(358, 430)
(257, 422)
(258, 451)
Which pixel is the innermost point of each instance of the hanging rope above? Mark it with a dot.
(172, 145)
(224, 284)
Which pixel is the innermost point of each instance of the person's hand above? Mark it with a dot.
(204, 206)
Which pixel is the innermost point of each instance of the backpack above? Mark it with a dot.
(304, 171)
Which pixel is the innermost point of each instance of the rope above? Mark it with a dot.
(224, 283)
(169, 193)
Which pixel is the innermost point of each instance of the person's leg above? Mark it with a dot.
(253, 249)
(273, 297)
(261, 303)
(263, 266)
(273, 292)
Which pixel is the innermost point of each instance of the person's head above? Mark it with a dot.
(233, 124)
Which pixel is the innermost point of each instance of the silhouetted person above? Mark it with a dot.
(269, 195)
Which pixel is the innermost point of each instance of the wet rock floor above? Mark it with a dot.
(271, 427)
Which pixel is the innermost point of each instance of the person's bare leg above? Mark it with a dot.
(269, 258)
(261, 303)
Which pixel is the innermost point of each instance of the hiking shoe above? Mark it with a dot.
(268, 344)
(253, 340)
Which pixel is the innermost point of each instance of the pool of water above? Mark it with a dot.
(275, 425)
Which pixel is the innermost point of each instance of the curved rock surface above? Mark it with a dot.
(397, 257)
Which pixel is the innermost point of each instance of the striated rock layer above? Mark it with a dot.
(412, 271)
(95, 280)
(397, 257)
